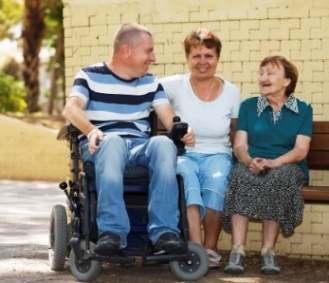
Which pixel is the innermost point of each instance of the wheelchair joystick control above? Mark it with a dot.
(63, 186)
(178, 130)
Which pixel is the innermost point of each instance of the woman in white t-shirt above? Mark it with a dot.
(210, 105)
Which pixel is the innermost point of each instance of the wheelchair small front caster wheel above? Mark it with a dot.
(84, 270)
(194, 267)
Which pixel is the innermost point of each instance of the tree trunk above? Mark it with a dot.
(57, 71)
(32, 35)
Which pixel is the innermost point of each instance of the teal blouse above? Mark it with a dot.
(270, 134)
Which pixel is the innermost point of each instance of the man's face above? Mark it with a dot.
(141, 55)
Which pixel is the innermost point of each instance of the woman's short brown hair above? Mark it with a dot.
(202, 36)
(290, 71)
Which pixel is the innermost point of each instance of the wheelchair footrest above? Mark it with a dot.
(165, 257)
(118, 258)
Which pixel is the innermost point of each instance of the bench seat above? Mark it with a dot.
(318, 159)
(316, 193)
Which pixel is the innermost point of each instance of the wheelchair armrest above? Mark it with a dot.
(66, 132)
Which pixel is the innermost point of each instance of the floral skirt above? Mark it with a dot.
(274, 195)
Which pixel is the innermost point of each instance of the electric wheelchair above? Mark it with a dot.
(73, 229)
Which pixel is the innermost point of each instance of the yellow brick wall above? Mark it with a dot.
(250, 30)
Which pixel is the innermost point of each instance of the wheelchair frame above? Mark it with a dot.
(77, 238)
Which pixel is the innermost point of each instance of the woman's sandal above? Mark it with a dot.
(214, 259)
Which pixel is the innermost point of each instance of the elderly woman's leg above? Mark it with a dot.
(236, 262)
(271, 231)
(239, 229)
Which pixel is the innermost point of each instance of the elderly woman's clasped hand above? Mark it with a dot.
(260, 165)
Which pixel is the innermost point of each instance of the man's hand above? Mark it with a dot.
(94, 137)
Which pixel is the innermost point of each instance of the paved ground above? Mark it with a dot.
(24, 223)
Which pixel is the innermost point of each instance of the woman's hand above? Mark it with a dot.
(189, 138)
(258, 165)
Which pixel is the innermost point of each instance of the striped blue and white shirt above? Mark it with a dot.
(116, 105)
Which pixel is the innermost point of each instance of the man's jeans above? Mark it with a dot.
(113, 154)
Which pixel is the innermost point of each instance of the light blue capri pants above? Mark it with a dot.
(205, 179)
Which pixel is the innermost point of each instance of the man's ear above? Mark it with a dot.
(126, 51)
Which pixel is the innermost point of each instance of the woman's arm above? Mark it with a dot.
(233, 124)
(298, 153)
(240, 148)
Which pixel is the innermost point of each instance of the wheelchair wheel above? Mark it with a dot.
(84, 270)
(196, 265)
(57, 238)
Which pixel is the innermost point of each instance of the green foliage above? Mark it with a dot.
(11, 12)
(11, 67)
(12, 93)
(53, 18)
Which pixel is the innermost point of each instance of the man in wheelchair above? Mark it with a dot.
(110, 104)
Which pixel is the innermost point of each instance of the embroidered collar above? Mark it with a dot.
(291, 104)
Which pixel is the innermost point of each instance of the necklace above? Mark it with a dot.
(208, 94)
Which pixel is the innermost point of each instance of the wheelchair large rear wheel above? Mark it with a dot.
(196, 265)
(57, 238)
(84, 270)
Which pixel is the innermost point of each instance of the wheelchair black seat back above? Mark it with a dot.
(73, 234)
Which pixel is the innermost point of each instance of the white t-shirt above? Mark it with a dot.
(210, 121)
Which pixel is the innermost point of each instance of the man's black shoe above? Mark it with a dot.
(108, 244)
(169, 243)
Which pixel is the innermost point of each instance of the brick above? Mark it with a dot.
(270, 47)
(98, 30)
(257, 12)
(113, 18)
(171, 69)
(99, 18)
(321, 31)
(321, 54)
(81, 16)
(320, 9)
(198, 14)
(99, 50)
(289, 10)
(244, 29)
(264, 28)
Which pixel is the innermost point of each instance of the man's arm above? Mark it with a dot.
(73, 112)
(166, 114)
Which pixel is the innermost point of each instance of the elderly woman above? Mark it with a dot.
(271, 143)
(210, 105)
